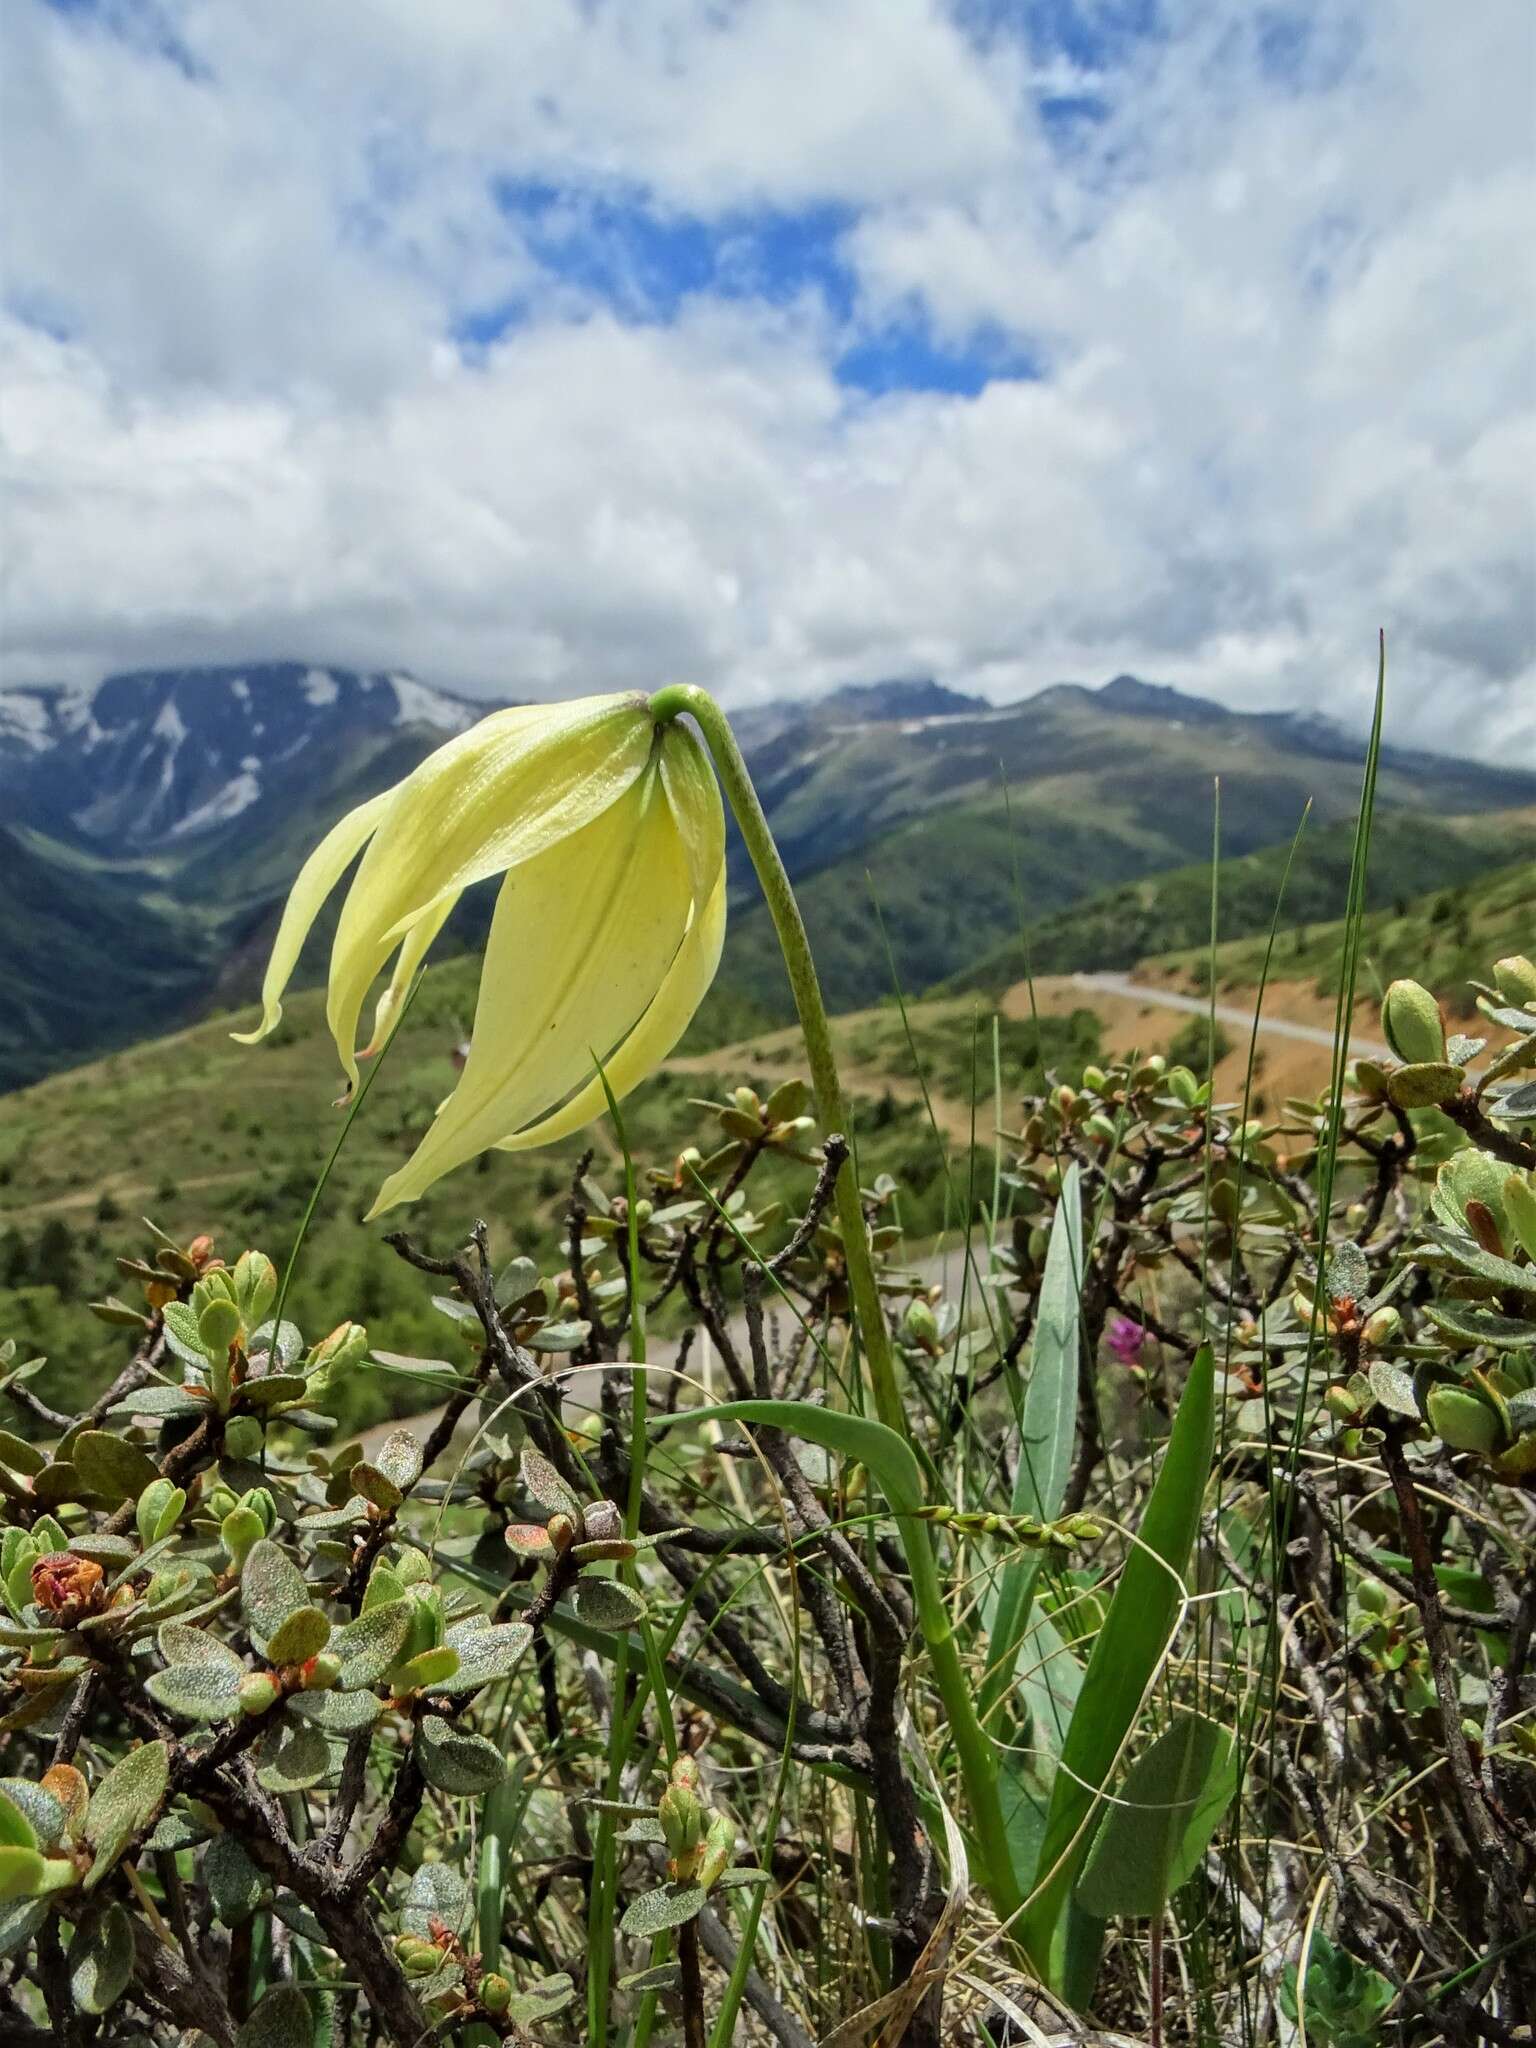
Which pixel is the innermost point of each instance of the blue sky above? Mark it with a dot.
(583, 344)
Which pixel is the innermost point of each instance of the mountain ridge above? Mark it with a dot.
(193, 795)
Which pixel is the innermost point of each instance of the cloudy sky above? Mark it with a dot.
(556, 345)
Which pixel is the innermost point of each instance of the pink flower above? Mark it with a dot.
(1125, 1340)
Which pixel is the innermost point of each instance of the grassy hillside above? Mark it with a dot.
(93, 956)
(1442, 939)
(202, 1134)
(1412, 859)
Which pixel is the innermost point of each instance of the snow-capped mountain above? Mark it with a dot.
(157, 759)
(151, 827)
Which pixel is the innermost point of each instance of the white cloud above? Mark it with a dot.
(1281, 297)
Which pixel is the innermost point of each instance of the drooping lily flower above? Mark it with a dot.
(609, 832)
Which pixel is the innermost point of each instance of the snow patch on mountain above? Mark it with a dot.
(419, 704)
(168, 724)
(320, 687)
(237, 795)
(24, 716)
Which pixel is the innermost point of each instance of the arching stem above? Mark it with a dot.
(973, 1746)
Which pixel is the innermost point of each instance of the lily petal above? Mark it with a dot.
(515, 784)
(316, 879)
(685, 987)
(413, 950)
(582, 938)
(689, 779)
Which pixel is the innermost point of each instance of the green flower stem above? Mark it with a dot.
(973, 1746)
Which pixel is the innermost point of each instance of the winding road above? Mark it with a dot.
(1226, 1013)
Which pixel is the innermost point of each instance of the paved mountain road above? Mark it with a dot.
(1226, 1013)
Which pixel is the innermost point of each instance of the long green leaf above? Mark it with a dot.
(1168, 1809)
(1046, 1429)
(1124, 1660)
(887, 1457)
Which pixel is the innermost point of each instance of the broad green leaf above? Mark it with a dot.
(436, 1891)
(112, 1465)
(20, 1456)
(198, 1692)
(653, 1912)
(1125, 1657)
(16, 1829)
(124, 1803)
(456, 1760)
(36, 1807)
(303, 1635)
(282, 2020)
(375, 1487)
(234, 1883)
(271, 1588)
(369, 1645)
(428, 1670)
(21, 1871)
(1393, 1387)
(1167, 1809)
(339, 1713)
(1480, 1325)
(546, 1485)
(295, 1757)
(399, 1459)
(19, 1921)
(607, 1603)
(485, 1654)
(100, 1960)
(180, 1644)
(1047, 1427)
(541, 2001)
(384, 1585)
(160, 1401)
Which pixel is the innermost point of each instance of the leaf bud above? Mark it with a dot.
(412, 1567)
(255, 1279)
(1372, 1596)
(243, 1436)
(601, 1522)
(1380, 1327)
(561, 1531)
(1412, 1024)
(240, 1529)
(682, 1820)
(261, 1504)
(1463, 1420)
(922, 1326)
(322, 1671)
(719, 1847)
(258, 1692)
(495, 1992)
(345, 1347)
(218, 1327)
(1516, 980)
(158, 1510)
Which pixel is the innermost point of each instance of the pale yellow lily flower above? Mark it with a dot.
(607, 930)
